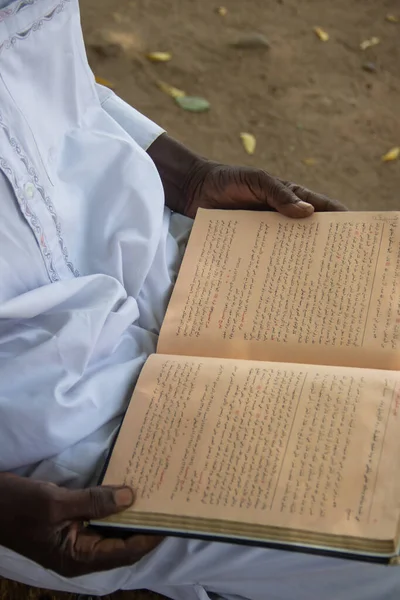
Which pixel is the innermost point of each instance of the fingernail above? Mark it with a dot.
(123, 497)
(305, 206)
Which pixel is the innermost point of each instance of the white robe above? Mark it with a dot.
(89, 255)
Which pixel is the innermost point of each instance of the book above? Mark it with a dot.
(270, 413)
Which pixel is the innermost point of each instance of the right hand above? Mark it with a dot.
(45, 523)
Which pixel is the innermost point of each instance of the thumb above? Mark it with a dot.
(285, 201)
(273, 193)
(96, 502)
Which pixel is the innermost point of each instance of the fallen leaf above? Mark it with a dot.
(118, 18)
(105, 82)
(321, 33)
(393, 154)
(251, 41)
(159, 56)
(192, 103)
(222, 11)
(310, 162)
(374, 41)
(249, 142)
(171, 90)
(392, 19)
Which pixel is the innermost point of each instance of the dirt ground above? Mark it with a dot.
(302, 98)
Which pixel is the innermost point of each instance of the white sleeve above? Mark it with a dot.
(139, 127)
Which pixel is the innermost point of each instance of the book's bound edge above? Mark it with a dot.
(191, 234)
(110, 451)
(120, 531)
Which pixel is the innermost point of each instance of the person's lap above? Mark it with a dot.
(183, 569)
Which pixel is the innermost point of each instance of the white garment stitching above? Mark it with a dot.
(47, 201)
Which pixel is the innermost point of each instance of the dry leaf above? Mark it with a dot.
(222, 11)
(159, 56)
(170, 90)
(310, 162)
(118, 18)
(392, 19)
(393, 154)
(249, 142)
(323, 35)
(374, 41)
(105, 82)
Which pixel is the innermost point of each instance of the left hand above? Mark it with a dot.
(191, 182)
(213, 185)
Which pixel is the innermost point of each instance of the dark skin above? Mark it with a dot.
(46, 523)
(191, 182)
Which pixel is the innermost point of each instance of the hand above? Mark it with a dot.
(191, 182)
(212, 185)
(45, 523)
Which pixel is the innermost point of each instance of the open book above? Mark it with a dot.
(271, 412)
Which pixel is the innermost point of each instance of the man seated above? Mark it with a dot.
(96, 207)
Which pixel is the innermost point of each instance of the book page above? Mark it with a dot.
(294, 446)
(321, 290)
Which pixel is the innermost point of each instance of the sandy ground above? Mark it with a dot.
(302, 98)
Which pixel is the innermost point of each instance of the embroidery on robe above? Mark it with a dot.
(32, 220)
(47, 201)
(38, 24)
(13, 10)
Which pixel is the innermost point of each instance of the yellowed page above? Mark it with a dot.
(288, 445)
(257, 285)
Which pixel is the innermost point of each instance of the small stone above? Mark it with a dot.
(107, 50)
(112, 44)
(370, 67)
(251, 41)
(326, 101)
(352, 101)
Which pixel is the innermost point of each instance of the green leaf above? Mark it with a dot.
(193, 103)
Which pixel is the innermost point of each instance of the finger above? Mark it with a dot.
(93, 503)
(285, 201)
(320, 202)
(88, 551)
